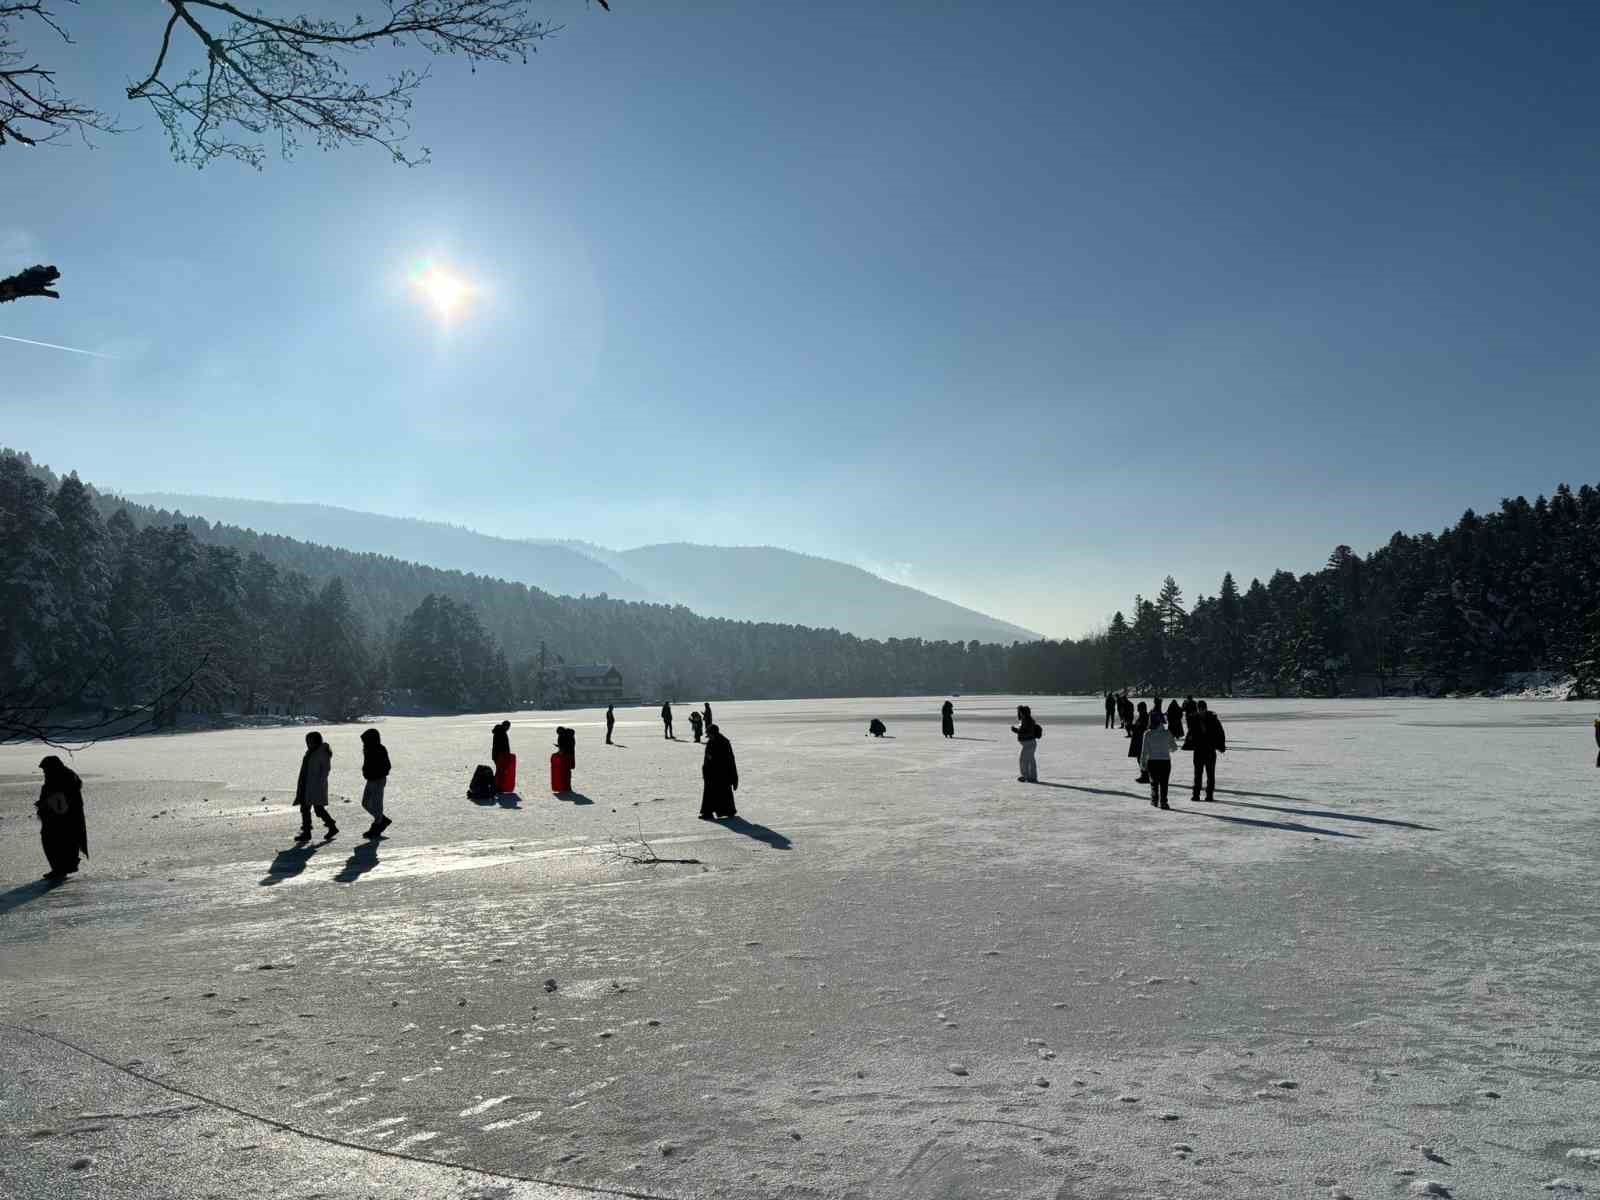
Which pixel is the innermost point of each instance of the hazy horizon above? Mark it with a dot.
(1026, 309)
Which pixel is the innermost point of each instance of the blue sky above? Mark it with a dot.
(1028, 305)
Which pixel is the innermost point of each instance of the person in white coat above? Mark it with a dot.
(1155, 758)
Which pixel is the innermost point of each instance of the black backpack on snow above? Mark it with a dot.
(482, 785)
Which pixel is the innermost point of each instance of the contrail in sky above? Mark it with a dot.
(53, 346)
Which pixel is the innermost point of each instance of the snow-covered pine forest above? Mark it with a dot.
(108, 604)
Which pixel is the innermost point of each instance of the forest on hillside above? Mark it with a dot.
(106, 604)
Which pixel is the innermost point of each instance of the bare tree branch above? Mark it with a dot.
(645, 855)
(35, 713)
(285, 77)
(31, 110)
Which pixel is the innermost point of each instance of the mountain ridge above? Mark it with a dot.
(753, 583)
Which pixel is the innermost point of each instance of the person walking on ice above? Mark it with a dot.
(947, 719)
(62, 832)
(311, 789)
(720, 774)
(666, 721)
(611, 722)
(375, 770)
(1028, 734)
(1208, 740)
(1155, 758)
(1111, 711)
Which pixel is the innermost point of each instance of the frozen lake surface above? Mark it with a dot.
(1369, 967)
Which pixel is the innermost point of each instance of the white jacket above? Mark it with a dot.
(1158, 744)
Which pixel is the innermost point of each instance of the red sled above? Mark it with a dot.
(505, 774)
(560, 773)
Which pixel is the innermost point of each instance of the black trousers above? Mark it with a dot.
(1111, 718)
(305, 817)
(1160, 776)
(1205, 763)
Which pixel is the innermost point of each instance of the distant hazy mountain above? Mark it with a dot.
(749, 583)
(768, 584)
(549, 565)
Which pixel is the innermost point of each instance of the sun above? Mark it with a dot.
(444, 291)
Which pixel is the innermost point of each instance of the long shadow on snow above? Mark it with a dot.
(1072, 787)
(289, 863)
(1317, 812)
(1289, 826)
(760, 832)
(360, 862)
(18, 896)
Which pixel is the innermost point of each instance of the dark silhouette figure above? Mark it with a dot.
(1597, 741)
(62, 831)
(705, 714)
(311, 788)
(720, 774)
(876, 728)
(666, 721)
(375, 770)
(1207, 739)
(947, 719)
(611, 722)
(697, 725)
(1175, 719)
(567, 746)
(1125, 711)
(1028, 734)
(1188, 708)
(500, 752)
(1155, 759)
(1141, 722)
(1111, 711)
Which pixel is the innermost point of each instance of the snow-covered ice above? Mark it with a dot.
(1384, 928)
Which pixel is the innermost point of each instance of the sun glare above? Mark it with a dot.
(446, 293)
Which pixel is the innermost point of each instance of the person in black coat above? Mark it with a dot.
(720, 774)
(567, 745)
(697, 725)
(1175, 719)
(1207, 739)
(611, 722)
(947, 719)
(375, 770)
(1141, 722)
(705, 715)
(876, 727)
(666, 722)
(62, 831)
(499, 742)
(1125, 711)
(1111, 711)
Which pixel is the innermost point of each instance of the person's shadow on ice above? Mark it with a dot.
(288, 864)
(359, 863)
(760, 832)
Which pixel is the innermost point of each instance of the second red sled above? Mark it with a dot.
(560, 773)
(505, 774)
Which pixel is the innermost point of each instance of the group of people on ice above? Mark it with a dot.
(1155, 734)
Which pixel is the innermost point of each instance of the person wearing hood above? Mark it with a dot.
(947, 719)
(375, 770)
(567, 745)
(1155, 758)
(720, 773)
(1175, 719)
(499, 742)
(311, 789)
(62, 831)
(1136, 738)
(1028, 734)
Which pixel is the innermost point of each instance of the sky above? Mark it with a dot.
(1028, 305)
